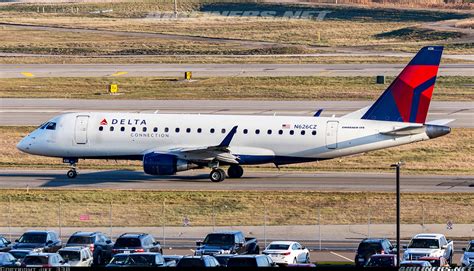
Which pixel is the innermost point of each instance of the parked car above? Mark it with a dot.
(382, 260)
(302, 265)
(140, 259)
(99, 244)
(415, 264)
(77, 256)
(39, 241)
(19, 254)
(227, 242)
(436, 261)
(429, 245)
(172, 260)
(5, 245)
(369, 247)
(468, 256)
(250, 261)
(286, 252)
(136, 242)
(223, 258)
(47, 260)
(7, 260)
(197, 262)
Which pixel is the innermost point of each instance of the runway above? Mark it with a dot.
(255, 181)
(216, 70)
(22, 112)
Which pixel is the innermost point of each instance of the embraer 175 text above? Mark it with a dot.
(168, 143)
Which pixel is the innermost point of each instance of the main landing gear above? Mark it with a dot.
(218, 175)
(72, 173)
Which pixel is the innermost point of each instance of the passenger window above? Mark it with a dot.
(122, 129)
(176, 130)
(101, 128)
(134, 129)
(269, 132)
(111, 128)
(51, 126)
(257, 131)
(212, 130)
(144, 129)
(280, 132)
(246, 131)
(188, 130)
(313, 132)
(292, 132)
(167, 130)
(199, 130)
(223, 131)
(155, 129)
(303, 132)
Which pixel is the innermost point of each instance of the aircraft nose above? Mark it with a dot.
(24, 144)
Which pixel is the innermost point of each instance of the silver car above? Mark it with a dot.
(468, 256)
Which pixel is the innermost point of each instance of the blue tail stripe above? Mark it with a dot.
(380, 107)
(430, 55)
(417, 95)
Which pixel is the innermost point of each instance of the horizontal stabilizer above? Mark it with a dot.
(440, 122)
(404, 131)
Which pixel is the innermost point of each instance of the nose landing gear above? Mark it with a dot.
(72, 173)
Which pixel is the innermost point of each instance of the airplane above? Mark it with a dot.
(169, 143)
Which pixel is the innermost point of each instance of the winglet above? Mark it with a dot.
(318, 113)
(228, 137)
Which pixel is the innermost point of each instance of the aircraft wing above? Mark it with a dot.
(220, 152)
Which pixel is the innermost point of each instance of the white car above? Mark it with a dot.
(468, 256)
(287, 252)
(77, 256)
(429, 245)
(45, 260)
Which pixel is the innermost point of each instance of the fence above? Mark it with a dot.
(281, 220)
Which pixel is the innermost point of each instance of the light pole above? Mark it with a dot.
(175, 9)
(397, 167)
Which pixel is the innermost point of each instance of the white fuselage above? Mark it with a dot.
(78, 135)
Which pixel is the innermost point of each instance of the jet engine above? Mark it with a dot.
(164, 164)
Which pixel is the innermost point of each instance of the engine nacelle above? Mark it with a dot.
(164, 164)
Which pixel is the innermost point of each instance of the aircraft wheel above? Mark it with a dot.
(235, 171)
(71, 174)
(217, 175)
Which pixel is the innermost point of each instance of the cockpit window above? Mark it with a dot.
(42, 126)
(51, 126)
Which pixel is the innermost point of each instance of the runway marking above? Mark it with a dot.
(339, 255)
(27, 74)
(118, 73)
